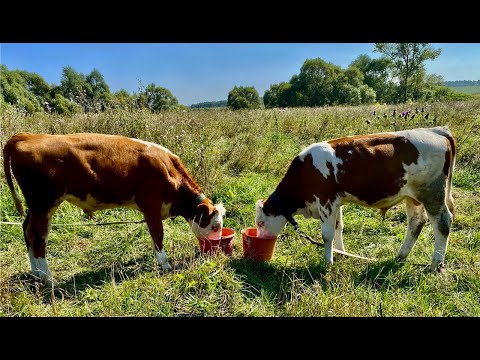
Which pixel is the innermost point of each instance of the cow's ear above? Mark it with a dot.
(202, 210)
(259, 204)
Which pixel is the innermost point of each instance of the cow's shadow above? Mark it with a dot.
(70, 287)
(266, 279)
(380, 274)
(263, 278)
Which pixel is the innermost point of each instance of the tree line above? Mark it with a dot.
(458, 83)
(209, 104)
(399, 75)
(78, 93)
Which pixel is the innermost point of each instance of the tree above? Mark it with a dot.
(279, 95)
(354, 76)
(65, 106)
(407, 60)
(243, 97)
(317, 80)
(122, 99)
(14, 90)
(38, 86)
(74, 87)
(377, 74)
(158, 98)
(97, 90)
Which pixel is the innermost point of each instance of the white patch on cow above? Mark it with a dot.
(215, 222)
(268, 226)
(318, 211)
(162, 260)
(321, 154)
(432, 148)
(39, 268)
(33, 262)
(350, 152)
(309, 211)
(90, 204)
(151, 144)
(221, 210)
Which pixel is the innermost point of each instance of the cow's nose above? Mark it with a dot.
(215, 228)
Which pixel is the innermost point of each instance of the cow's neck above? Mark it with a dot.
(187, 201)
(281, 202)
(287, 197)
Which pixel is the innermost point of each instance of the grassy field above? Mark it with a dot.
(237, 158)
(467, 89)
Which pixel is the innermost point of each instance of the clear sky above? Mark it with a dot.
(197, 72)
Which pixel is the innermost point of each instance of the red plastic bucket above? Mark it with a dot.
(225, 242)
(256, 248)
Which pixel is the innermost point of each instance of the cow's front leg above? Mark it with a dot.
(36, 233)
(155, 227)
(328, 233)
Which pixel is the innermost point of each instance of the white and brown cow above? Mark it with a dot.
(96, 172)
(374, 170)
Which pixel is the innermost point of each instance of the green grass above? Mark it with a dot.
(111, 271)
(467, 89)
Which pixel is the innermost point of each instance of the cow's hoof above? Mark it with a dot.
(439, 268)
(49, 283)
(166, 267)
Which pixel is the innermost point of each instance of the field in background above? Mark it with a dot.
(466, 89)
(237, 158)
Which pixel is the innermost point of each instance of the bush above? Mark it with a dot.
(243, 98)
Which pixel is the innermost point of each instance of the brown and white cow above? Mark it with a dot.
(374, 170)
(96, 172)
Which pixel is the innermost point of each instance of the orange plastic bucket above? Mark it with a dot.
(225, 242)
(257, 248)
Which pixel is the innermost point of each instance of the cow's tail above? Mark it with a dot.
(445, 131)
(6, 169)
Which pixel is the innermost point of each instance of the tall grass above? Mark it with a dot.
(237, 158)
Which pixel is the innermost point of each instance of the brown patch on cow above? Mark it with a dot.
(372, 170)
(453, 144)
(112, 169)
(372, 167)
(448, 161)
(204, 212)
(449, 154)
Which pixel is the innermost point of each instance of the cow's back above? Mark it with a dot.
(107, 168)
(378, 169)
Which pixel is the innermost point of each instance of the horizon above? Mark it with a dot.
(204, 72)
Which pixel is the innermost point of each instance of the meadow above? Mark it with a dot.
(474, 89)
(238, 157)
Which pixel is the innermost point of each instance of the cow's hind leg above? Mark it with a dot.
(441, 222)
(36, 227)
(155, 227)
(416, 220)
(437, 207)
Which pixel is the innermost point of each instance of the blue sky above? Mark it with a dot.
(196, 72)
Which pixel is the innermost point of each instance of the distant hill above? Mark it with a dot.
(461, 83)
(210, 104)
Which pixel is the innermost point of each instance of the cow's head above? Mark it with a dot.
(208, 220)
(268, 224)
